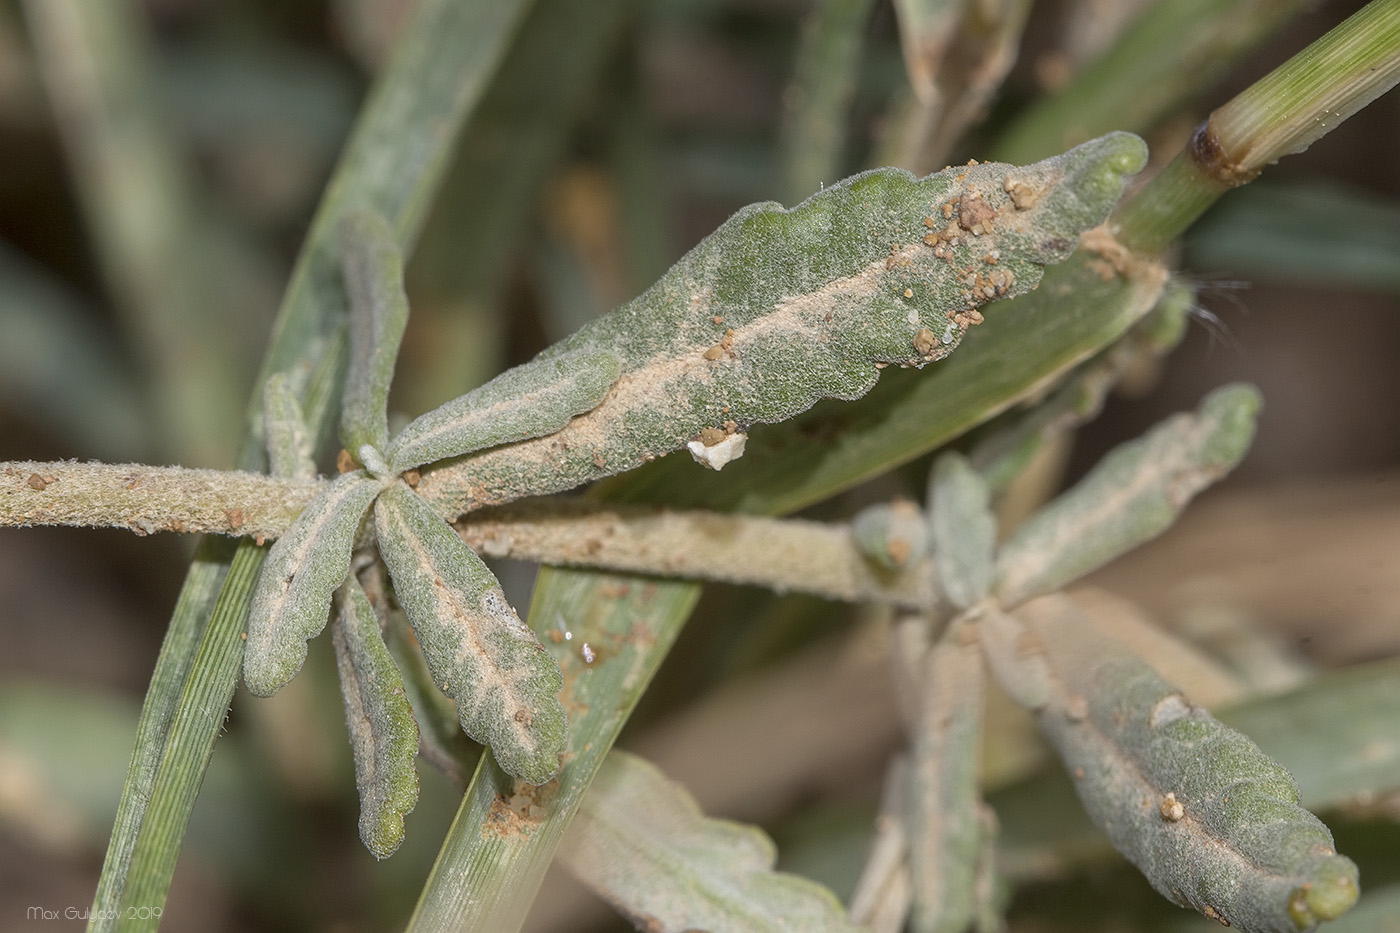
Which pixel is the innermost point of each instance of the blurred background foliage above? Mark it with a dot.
(615, 135)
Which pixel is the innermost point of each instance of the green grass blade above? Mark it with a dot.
(506, 831)
(1141, 78)
(393, 163)
(188, 742)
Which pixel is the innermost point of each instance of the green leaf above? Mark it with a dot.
(505, 683)
(306, 565)
(1230, 841)
(289, 451)
(394, 161)
(1131, 496)
(964, 530)
(780, 308)
(383, 731)
(641, 842)
(533, 400)
(1314, 233)
(943, 822)
(1025, 344)
(373, 267)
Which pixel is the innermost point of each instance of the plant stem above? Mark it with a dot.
(1282, 113)
(1168, 54)
(392, 164)
(147, 499)
(782, 554)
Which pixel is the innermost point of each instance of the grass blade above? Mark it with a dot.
(393, 164)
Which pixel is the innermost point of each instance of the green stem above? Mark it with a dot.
(1168, 54)
(1282, 113)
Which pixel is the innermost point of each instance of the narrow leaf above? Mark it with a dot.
(289, 448)
(641, 842)
(533, 400)
(943, 822)
(964, 530)
(373, 267)
(293, 596)
(383, 732)
(505, 683)
(1211, 821)
(1133, 495)
(780, 308)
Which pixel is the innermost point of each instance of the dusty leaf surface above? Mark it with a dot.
(478, 651)
(303, 568)
(641, 842)
(383, 732)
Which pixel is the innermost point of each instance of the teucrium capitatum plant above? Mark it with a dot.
(773, 312)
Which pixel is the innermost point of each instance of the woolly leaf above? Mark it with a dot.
(943, 812)
(528, 401)
(964, 530)
(478, 651)
(373, 268)
(289, 447)
(293, 595)
(780, 308)
(641, 842)
(383, 732)
(1131, 496)
(1211, 821)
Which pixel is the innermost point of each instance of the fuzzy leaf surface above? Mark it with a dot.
(964, 530)
(289, 444)
(1241, 849)
(943, 822)
(383, 732)
(533, 400)
(641, 842)
(479, 652)
(372, 264)
(780, 308)
(1131, 496)
(293, 597)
